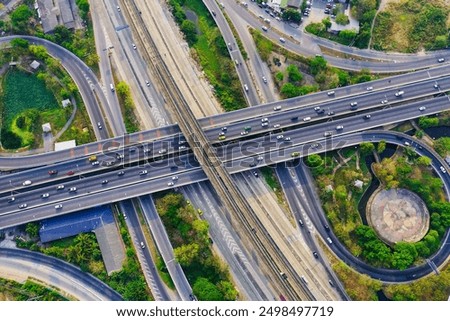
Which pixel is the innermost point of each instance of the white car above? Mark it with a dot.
(134, 46)
(174, 178)
(277, 108)
(72, 189)
(162, 151)
(26, 183)
(264, 120)
(441, 60)
(170, 184)
(276, 126)
(422, 108)
(330, 93)
(245, 87)
(264, 79)
(280, 137)
(244, 133)
(384, 101)
(282, 40)
(22, 206)
(443, 169)
(58, 206)
(340, 127)
(45, 195)
(147, 83)
(264, 124)
(369, 88)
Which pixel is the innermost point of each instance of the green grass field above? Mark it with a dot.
(22, 91)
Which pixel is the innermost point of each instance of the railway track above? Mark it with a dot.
(246, 223)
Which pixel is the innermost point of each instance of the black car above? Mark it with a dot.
(316, 255)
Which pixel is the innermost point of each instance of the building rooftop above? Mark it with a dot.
(65, 145)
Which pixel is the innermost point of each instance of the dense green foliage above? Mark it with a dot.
(190, 239)
(442, 146)
(291, 15)
(127, 106)
(20, 18)
(340, 203)
(210, 50)
(28, 291)
(342, 19)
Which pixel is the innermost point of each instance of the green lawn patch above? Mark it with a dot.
(22, 91)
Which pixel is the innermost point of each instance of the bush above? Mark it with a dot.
(10, 140)
(342, 19)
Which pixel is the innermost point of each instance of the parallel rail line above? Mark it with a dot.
(273, 261)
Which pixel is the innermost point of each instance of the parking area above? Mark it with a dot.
(321, 9)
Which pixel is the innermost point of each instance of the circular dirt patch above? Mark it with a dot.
(398, 215)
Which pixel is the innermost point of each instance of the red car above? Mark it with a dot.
(70, 173)
(52, 172)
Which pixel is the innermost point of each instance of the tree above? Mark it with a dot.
(314, 160)
(291, 15)
(190, 31)
(10, 140)
(366, 148)
(347, 36)
(381, 146)
(425, 122)
(20, 122)
(19, 43)
(440, 42)
(342, 19)
(279, 76)
(40, 52)
(289, 90)
(442, 145)
(62, 35)
(186, 254)
(404, 255)
(327, 23)
(19, 17)
(206, 291)
(423, 161)
(32, 230)
(228, 291)
(294, 74)
(317, 64)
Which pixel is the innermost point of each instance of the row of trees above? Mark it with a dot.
(190, 239)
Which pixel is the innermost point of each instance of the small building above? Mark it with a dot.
(35, 65)
(293, 4)
(46, 128)
(66, 102)
(358, 184)
(65, 145)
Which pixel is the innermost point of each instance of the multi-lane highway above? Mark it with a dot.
(238, 156)
(304, 104)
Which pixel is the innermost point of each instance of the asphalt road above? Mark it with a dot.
(308, 45)
(59, 274)
(236, 156)
(297, 103)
